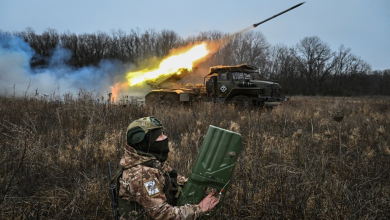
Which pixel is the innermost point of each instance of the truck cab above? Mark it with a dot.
(242, 85)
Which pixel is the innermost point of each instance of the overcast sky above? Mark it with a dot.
(362, 25)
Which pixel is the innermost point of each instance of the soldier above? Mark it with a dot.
(149, 187)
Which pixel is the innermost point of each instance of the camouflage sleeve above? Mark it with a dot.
(182, 180)
(166, 167)
(145, 186)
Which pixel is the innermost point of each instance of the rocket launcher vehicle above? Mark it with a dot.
(213, 168)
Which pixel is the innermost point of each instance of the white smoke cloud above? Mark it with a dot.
(16, 76)
(14, 62)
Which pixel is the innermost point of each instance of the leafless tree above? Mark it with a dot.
(314, 59)
(346, 66)
(282, 66)
(70, 41)
(166, 41)
(250, 47)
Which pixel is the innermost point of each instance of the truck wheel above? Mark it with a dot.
(153, 99)
(171, 100)
(241, 101)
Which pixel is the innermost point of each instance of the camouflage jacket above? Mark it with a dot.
(144, 186)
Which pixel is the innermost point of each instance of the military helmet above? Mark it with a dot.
(146, 126)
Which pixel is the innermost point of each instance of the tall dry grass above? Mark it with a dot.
(298, 162)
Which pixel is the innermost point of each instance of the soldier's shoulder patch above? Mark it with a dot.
(151, 187)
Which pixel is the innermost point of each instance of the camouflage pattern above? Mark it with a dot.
(146, 123)
(133, 189)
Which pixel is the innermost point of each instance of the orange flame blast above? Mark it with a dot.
(170, 65)
(116, 88)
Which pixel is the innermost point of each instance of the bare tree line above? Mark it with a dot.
(90, 49)
(308, 68)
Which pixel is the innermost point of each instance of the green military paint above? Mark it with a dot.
(214, 165)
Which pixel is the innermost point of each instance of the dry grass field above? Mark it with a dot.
(310, 158)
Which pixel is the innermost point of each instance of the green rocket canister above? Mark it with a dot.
(213, 167)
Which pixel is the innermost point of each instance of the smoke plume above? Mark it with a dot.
(18, 78)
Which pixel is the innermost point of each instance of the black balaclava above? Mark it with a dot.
(150, 147)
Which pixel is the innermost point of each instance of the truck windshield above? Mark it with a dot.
(241, 75)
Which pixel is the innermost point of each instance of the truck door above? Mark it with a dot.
(224, 84)
(211, 86)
